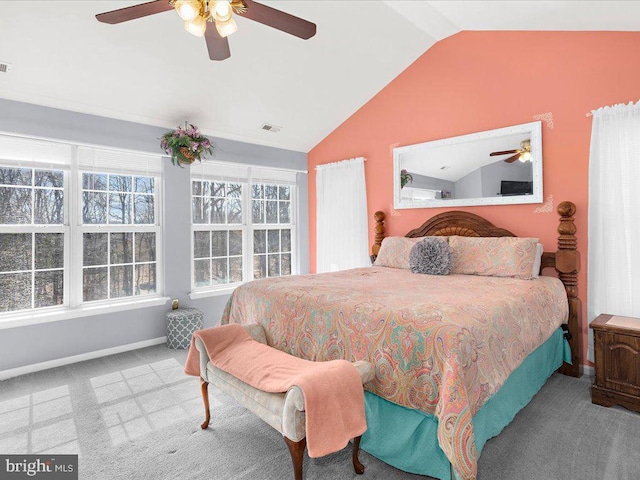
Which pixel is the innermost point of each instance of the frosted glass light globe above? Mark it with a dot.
(221, 10)
(188, 9)
(226, 28)
(196, 27)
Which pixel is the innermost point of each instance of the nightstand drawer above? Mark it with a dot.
(620, 361)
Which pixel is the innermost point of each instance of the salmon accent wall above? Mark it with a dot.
(475, 81)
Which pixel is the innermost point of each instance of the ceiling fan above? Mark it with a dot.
(523, 153)
(200, 17)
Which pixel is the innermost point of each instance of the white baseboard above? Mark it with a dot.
(587, 370)
(59, 362)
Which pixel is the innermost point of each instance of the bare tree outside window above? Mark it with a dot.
(118, 263)
(218, 231)
(271, 210)
(31, 261)
(217, 242)
(75, 227)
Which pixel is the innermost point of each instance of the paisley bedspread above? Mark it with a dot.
(440, 344)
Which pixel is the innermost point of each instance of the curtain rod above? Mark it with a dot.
(590, 114)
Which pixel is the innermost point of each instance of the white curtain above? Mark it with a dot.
(614, 213)
(341, 216)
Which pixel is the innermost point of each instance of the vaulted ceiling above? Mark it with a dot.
(151, 71)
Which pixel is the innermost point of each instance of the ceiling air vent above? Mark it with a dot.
(271, 128)
(5, 67)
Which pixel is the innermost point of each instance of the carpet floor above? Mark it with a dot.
(135, 415)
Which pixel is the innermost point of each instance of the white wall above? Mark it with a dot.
(431, 183)
(32, 344)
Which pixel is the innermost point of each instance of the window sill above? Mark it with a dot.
(218, 292)
(34, 318)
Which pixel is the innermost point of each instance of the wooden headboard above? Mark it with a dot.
(565, 261)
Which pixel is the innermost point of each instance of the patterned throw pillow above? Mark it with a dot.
(431, 256)
(493, 256)
(394, 252)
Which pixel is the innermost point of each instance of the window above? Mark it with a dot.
(243, 227)
(271, 215)
(32, 238)
(55, 195)
(119, 259)
(218, 233)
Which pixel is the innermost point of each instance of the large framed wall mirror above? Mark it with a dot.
(495, 167)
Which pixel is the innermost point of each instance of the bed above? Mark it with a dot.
(456, 356)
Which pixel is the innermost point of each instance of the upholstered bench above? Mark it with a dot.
(283, 411)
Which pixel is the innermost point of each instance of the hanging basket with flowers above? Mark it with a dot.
(186, 145)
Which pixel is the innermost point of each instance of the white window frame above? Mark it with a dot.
(218, 227)
(293, 215)
(73, 229)
(247, 227)
(82, 228)
(39, 228)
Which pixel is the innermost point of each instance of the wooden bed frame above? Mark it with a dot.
(566, 260)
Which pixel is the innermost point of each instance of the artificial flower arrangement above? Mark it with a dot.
(405, 177)
(186, 145)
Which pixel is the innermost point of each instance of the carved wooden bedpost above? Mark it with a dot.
(379, 218)
(568, 266)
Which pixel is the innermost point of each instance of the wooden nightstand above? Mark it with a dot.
(617, 352)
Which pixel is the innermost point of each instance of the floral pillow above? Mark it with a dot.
(394, 252)
(494, 256)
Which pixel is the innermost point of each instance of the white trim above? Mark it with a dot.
(588, 370)
(252, 165)
(36, 317)
(157, 153)
(59, 362)
(219, 292)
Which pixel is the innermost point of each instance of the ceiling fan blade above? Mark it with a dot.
(135, 11)
(504, 152)
(279, 20)
(218, 46)
(513, 159)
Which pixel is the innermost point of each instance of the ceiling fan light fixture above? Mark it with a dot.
(197, 26)
(525, 157)
(226, 28)
(197, 13)
(220, 10)
(188, 10)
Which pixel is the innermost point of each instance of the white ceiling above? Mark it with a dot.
(151, 71)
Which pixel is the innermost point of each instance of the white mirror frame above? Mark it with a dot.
(534, 128)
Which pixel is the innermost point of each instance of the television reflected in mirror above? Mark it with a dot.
(495, 167)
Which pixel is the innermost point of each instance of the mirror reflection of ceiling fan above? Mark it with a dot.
(201, 16)
(523, 153)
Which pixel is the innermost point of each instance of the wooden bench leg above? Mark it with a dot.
(204, 389)
(357, 466)
(297, 452)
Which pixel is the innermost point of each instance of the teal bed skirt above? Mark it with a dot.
(407, 438)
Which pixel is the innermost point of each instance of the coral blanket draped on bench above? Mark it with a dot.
(333, 394)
